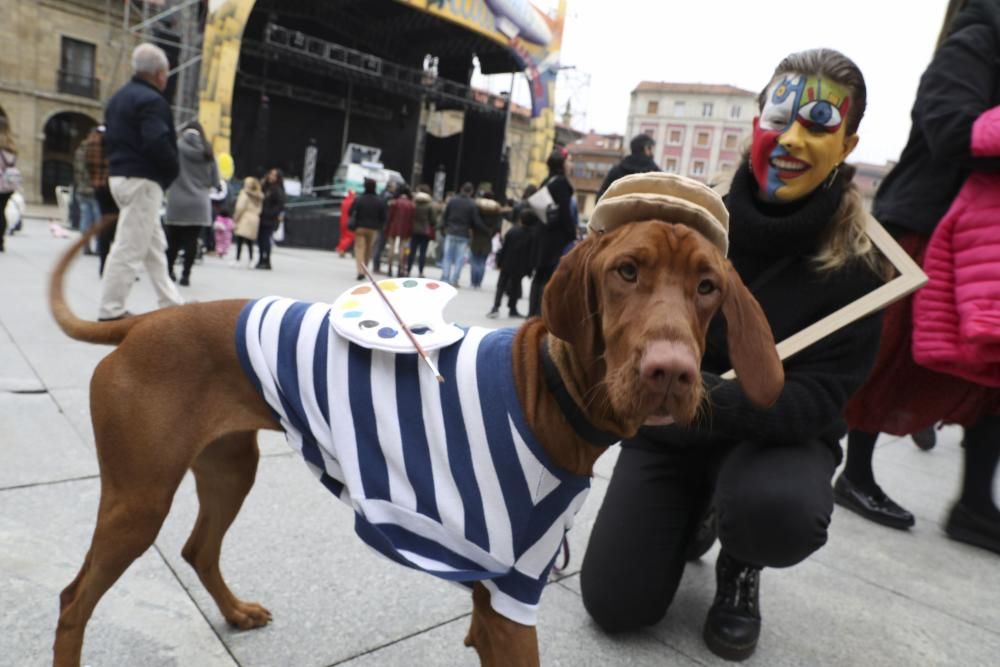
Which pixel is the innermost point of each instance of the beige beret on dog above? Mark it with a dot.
(666, 197)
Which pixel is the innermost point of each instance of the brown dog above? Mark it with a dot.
(625, 318)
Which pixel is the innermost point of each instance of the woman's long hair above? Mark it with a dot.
(847, 238)
(6, 138)
(955, 8)
(206, 147)
(279, 179)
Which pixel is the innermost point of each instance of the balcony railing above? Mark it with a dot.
(78, 84)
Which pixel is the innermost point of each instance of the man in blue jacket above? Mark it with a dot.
(141, 147)
(460, 216)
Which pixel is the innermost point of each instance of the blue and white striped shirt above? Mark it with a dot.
(446, 478)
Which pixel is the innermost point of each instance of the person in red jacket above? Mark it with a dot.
(346, 234)
(960, 84)
(399, 228)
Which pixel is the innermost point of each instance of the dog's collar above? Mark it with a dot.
(581, 425)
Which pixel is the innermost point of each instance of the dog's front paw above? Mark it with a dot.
(248, 615)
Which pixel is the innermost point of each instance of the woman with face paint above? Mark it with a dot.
(957, 104)
(759, 479)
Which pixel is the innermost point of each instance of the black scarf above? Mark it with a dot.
(760, 231)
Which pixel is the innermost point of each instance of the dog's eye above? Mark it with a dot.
(706, 287)
(628, 271)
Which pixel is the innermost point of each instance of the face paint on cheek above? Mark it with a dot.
(801, 127)
(764, 144)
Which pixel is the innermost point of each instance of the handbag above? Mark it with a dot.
(543, 205)
(10, 175)
(279, 232)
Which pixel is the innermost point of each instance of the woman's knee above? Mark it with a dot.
(772, 528)
(622, 606)
(622, 593)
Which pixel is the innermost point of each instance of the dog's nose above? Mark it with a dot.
(665, 362)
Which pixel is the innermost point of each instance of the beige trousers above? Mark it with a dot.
(364, 246)
(139, 242)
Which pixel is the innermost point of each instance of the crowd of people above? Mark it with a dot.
(163, 202)
(470, 228)
(158, 193)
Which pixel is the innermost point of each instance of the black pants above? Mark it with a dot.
(417, 243)
(4, 198)
(508, 284)
(264, 234)
(109, 208)
(182, 237)
(538, 283)
(104, 241)
(208, 238)
(240, 242)
(773, 504)
(377, 254)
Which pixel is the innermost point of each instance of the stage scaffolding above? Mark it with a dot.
(176, 26)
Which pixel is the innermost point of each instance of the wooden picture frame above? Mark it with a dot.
(911, 278)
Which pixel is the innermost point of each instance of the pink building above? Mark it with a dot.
(700, 129)
(593, 157)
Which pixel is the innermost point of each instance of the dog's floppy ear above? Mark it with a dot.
(751, 345)
(569, 304)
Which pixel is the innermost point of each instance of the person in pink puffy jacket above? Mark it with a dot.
(959, 92)
(956, 317)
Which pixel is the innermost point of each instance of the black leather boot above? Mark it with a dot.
(733, 623)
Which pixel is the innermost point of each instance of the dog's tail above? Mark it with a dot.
(103, 333)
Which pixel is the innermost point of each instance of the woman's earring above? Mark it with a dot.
(831, 178)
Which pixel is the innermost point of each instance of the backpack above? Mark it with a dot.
(10, 175)
(97, 163)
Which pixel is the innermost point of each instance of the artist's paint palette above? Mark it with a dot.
(360, 315)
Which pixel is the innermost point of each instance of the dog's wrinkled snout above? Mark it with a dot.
(665, 363)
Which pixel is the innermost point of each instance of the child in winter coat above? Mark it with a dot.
(247, 218)
(223, 227)
(515, 262)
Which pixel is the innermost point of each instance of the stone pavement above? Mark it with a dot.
(873, 596)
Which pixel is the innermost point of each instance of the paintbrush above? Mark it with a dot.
(402, 324)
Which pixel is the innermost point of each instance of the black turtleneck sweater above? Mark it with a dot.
(771, 247)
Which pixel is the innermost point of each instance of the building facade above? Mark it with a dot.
(700, 129)
(520, 144)
(593, 157)
(61, 61)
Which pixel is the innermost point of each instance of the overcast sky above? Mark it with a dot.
(618, 43)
